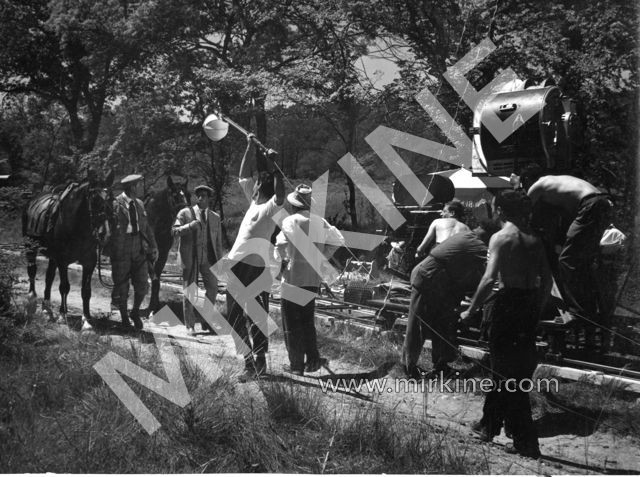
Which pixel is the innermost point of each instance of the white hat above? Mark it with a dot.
(300, 197)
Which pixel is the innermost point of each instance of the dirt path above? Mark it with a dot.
(565, 452)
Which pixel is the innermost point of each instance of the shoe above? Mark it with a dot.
(415, 372)
(531, 450)
(137, 322)
(483, 433)
(260, 365)
(249, 374)
(315, 365)
(287, 369)
(441, 373)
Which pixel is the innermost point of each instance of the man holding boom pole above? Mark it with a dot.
(250, 253)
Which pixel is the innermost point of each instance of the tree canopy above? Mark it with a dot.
(126, 84)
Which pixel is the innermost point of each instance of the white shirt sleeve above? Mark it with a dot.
(246, 184)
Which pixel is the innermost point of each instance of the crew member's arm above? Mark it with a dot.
(425, 246)
(546, 279)
(148, 232)
(218, 245)
(246, 166)
(278, 186)
(183, 224)
(282, 252)
(488, 279)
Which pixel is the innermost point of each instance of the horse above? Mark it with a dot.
(64, 224)
(162, 208)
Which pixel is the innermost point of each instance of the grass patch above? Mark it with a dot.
(57, 415)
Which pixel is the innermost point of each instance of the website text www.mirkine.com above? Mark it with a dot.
(449, 385)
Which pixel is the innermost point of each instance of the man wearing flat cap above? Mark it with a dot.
(132, 246)
(200, 247)
(298, 320)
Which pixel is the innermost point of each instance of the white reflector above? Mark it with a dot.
(215, 128)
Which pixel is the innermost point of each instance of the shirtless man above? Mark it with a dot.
(589, 212)
(443, 228)
(517, 259)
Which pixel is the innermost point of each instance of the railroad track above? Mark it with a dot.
(391, 316)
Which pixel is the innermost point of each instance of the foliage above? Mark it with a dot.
(590, 49)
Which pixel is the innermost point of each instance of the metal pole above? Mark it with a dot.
(245, 132)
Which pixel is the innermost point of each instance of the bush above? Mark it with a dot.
(8, 277)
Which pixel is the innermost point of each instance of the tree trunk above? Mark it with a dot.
(218, 184)
(352, 138)
(77, 128)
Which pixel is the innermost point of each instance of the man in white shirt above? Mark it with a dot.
(200, 247)
(266, 198)
(298, 320)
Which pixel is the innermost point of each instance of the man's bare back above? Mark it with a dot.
(439, 231)
(446, 227)
(564, 192)
(520, 257)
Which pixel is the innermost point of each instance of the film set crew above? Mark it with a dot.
(517, 260)
(200, 247)
(132, 248)
(266, 197)
(440, 229)
(438, 285)
(298, 321)
(588, 211)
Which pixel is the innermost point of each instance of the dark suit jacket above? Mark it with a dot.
(120, 223)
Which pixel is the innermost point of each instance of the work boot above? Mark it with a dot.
(261, 365)
(249, 373)
(413, 371)
(124, 316)
(441, 373)
(483, 433)
(529, 450)
(135, 316)
(296, 371)
(315, 365)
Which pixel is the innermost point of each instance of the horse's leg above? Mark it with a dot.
(31, 254)
(48, 282)
(64, 289)
(87, 273)
(163, 254)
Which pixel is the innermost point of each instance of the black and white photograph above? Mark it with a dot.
(320, 237)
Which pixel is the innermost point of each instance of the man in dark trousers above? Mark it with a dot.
(132, 245)
(298, 321)
(589, 212)
(200, 247)
(438, 285)
(266, 198)
(517, 261)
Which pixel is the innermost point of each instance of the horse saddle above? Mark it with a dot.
(43, 211)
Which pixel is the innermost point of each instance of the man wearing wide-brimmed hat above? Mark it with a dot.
(200, 247)
(298, 320)
(132, 246)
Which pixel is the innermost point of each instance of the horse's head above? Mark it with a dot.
(177, 195)
(99, 200)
